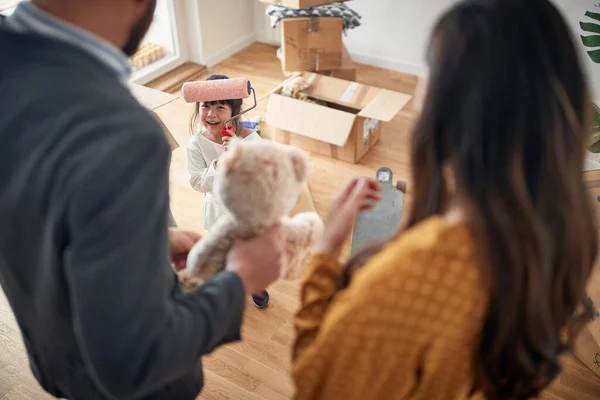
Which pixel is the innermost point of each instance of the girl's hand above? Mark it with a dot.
(227, 134)
(225, 142)
(360, 194)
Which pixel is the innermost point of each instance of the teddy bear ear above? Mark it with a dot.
(300, 163)
(233, 156)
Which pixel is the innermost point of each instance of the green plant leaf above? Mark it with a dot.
(594, 144)
(595, 56)
(594, 148)
(593, 15)
(591, 41)
(589, 27)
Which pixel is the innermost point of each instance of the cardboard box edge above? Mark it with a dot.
(273, 121)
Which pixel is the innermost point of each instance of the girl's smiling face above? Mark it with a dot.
(213, 115)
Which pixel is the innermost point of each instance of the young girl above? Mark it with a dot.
(485, 289)
(206, 148)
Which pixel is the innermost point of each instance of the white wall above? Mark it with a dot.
(394, 33)
(574, 11)
(226, 27)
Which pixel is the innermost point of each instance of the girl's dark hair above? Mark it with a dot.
(507, 111)
(235, 104)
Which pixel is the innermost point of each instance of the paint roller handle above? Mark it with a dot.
(227, 134)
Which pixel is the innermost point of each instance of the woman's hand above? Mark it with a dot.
(358, 195)
(180, 243)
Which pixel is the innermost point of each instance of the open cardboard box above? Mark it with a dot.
(346, 129)
(299, 4)
(153, 99)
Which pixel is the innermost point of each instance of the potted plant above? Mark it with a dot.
(592, 42)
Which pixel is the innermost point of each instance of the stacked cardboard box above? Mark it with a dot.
(347, 71)
(314, 44)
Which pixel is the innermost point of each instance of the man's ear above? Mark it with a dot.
(299, 162)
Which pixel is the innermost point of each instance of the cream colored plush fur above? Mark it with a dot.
(258, 182)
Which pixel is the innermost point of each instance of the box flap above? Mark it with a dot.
(372, 102)
(310, 120)
(351, 94)
(151, 98)
(385, 105)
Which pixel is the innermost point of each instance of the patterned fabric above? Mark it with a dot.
(340, 10)
(407, 326)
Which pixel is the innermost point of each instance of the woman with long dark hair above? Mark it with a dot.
(484, 288)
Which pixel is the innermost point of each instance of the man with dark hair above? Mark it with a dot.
(85, 246)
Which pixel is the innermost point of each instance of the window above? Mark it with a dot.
(161, 46)
(6, 4)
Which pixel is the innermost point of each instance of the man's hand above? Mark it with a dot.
(181, 242)
(257, 261)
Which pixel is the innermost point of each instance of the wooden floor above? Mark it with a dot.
(257, 368)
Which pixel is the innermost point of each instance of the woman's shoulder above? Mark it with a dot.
(433, 234)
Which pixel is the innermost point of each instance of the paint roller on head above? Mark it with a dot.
(218, 90)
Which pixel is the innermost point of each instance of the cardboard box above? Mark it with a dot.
(299, 4)
(346, 129)
(312, 44)
(346, 72)
(153, 99)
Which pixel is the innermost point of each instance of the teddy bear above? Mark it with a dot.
(258, 183)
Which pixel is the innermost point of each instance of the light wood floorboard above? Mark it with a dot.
(257, 368)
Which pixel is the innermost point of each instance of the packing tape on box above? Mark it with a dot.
(350, 92)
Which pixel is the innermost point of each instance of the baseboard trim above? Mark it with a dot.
(227, 52)
(386, 63)
(368, 59)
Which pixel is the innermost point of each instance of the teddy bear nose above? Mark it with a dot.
(271, 166)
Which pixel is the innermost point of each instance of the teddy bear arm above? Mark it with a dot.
(208, 256)
(301, 233)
